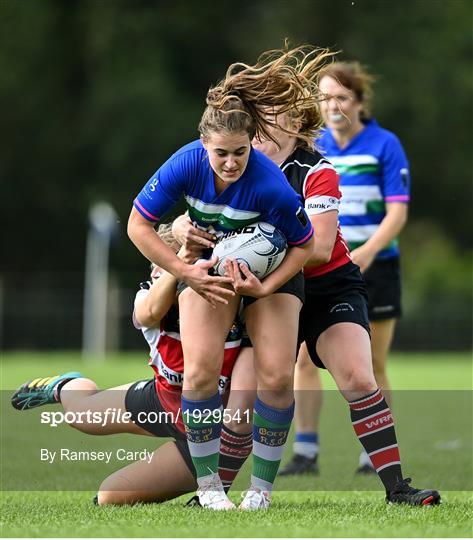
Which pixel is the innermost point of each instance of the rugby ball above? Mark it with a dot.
(260, 246)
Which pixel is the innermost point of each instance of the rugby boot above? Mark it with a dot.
(365, 469)
(300, 464)
(40, 391)
(403, 493)
(365, 466)
(212, 495)
(255, 499)
(194, 502)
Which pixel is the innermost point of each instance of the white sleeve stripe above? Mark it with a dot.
(320, 204)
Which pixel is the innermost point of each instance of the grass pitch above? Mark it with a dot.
(432, 404)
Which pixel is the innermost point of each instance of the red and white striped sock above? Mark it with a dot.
(374, 426)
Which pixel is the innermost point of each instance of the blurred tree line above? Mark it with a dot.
(96, 94)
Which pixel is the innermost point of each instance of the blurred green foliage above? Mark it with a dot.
(96, 94)
(439, 272)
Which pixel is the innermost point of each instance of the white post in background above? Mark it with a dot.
(102, 221)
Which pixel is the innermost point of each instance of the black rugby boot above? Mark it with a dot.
(403, 493)
(300, 465)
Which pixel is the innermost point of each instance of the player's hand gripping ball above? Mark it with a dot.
(260, 246)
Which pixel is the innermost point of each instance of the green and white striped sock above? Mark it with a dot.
(203, 433)
(270, 429)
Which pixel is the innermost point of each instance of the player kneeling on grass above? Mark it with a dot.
(170, 472)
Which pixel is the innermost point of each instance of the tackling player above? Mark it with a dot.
(170, 472)
(375, 185)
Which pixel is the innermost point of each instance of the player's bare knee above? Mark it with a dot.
(277, 385)
(359, 381)
(201, 380)
(105, 497)
(114, 490)
(114, 498)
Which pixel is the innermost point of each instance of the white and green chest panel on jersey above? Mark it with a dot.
(220, 215)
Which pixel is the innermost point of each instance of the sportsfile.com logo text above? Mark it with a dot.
(118, 416)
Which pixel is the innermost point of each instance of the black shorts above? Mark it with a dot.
(335, 297)
(142, 397)
(294, 286)
(383, 282)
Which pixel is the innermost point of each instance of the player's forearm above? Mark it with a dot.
(325, 233)
(293, 262)
(389, 228)
(145, 238)
(151, 310)
(322, 251)
(161, 295)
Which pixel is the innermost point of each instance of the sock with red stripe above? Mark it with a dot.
(374, 426)
(234, 449)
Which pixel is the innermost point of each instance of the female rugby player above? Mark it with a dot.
(227, 184)
(375, 185)
(170, 472)
(334, 319)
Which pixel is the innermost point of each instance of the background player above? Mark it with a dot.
(375, 185)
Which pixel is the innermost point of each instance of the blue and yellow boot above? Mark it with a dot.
(41, 391)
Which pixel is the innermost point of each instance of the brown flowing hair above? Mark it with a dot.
(354, 77)
(281, 81)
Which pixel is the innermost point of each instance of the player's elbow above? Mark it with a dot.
(320, 256)
(137, 226)
(325, 255)
(149, 318)
(132, 227)
(308, 249)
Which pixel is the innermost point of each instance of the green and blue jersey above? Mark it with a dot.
(373, 171)
(262, 193)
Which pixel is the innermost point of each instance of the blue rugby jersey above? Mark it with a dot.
(373, 170)
(262, 193)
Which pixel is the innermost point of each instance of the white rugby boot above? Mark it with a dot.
(255, 499)
(212, 495)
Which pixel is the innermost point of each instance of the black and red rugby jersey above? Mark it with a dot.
(314, 178)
